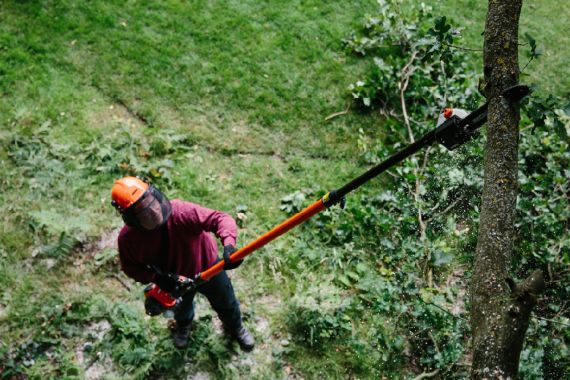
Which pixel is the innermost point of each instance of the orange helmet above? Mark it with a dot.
(140, 204)
(126, 191)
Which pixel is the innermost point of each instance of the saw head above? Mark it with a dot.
(448, 113)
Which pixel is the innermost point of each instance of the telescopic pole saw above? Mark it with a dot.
(453, 133)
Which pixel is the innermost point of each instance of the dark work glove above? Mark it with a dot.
(228, 250)
(169, 283)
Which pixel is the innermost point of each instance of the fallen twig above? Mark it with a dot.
(340, 113)
(426, 375)
(461, 47)
(553, 321)
(123, 282)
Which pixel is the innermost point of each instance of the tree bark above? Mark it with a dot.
(500, 308)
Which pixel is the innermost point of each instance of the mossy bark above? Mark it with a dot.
(500, 308)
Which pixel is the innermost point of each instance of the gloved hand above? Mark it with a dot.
(228, 250)
(168, 282)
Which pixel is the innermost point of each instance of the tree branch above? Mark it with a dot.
(333, 115)
(403, 85)
(461, 47)
(444, 310)
(552, 321)
(425, 375)
(446, 210)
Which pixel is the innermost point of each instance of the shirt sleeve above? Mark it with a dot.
(135, 270)
(198, 218)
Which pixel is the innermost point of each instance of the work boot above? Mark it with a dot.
(180, 336)
(244, 338)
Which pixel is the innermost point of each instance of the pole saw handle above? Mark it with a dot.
(282, 228)
(452, 133)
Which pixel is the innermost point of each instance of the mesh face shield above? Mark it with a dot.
(150, 212)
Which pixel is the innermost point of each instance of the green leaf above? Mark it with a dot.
(353, 275)
(534, 52)
(441, 258)
(105, 256)
(560, 129)
(344, 280)
(361, 268)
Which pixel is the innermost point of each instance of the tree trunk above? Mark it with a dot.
(500, 308)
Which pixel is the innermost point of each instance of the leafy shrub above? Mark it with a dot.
(414, 238)
(413, 50)
(293, 203)
(41, 354)
(318, 315)
(142, 348)
(542, 239)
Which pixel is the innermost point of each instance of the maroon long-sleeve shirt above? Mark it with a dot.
(191, 245)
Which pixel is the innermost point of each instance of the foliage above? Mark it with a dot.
(410, 56)
(139, 347)
(421, 222)
(61, 248)
(319, 315)
(143, 349)
(40, 354)
(46, 172)
(415, 236)
(533, 52)
(202, 97)
(293, 203)
(543, 211)
(105, 257)
(539, 109)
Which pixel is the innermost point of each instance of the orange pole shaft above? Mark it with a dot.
(270, 235)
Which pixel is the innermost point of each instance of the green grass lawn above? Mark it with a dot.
(225, 103)
(545, 20)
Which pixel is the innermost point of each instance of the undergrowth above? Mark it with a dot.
(224, 104)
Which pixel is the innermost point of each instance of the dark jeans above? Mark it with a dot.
(220, 293)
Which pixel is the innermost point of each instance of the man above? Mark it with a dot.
(162, 237)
